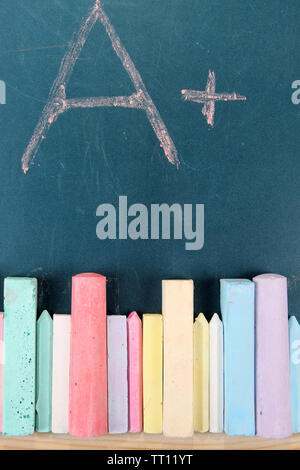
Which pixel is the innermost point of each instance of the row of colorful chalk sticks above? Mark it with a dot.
(88, 374)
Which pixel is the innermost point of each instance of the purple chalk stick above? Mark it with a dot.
(273, 400)
(117, 374)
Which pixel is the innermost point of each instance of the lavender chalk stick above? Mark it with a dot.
(117, 374)
(273, 400)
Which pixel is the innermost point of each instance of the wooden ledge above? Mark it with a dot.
(142, 441)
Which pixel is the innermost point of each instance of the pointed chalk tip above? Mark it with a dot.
(201, 318)
(133, 316)
(215, 318)
(293, 321)
(45, 315)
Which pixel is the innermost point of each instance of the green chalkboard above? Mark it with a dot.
(109, 104)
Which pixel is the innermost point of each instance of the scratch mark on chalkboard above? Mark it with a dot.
(157, 62)
(293, 282)
(209, 97)
(111, 173)
(30, 49)
(199, 170)
(122, 4)
(39, 18)
(24, 94)
(137, 277)
(52, 238)
(58, 103)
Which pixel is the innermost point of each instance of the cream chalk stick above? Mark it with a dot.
(178, 312)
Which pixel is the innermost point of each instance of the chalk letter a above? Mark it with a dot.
(58, 103)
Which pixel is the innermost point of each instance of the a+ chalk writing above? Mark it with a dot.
(209, 97)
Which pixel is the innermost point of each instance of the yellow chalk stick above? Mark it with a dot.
(201, 374)
(152, 373)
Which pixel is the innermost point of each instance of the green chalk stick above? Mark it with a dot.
(44, 348)
(20, 304)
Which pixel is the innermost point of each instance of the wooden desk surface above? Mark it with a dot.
(145, 441)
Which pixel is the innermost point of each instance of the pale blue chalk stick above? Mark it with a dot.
(20, 304)
(117, 374)
(44, 348)
(294, 329)
(237, 307)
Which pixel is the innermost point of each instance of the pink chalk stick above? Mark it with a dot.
(1, 370)
(273, 400)
(88, 361)
(135, 372)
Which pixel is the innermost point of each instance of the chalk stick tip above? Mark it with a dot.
(45, 317)
(134, 317)
(151, 315)
(88, 276)
(293, 322)
(269, 277)
(177, 281)
(201, 319)
(20, 280)
(215, 319)
(236, 282)
(61, 315)
(116, 318)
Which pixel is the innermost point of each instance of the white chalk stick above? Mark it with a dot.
(216, 374)
(60, 377)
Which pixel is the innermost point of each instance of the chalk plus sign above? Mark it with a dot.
(209, 98)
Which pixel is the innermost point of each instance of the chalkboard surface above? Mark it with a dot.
(234, 147)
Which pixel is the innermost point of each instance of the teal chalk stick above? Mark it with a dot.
(44, 348)
(294, 329)
(20, 304)
(237, 307)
